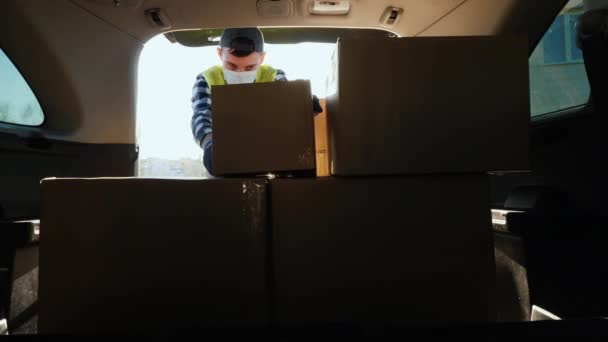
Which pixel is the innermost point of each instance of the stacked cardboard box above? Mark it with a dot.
(262, 128)
(429, 105)
(120, 255)
(393, 251)
(142, 255)
(374, 249)
(406, 238)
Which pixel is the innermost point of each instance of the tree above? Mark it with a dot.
(27, 114)
(4, 109)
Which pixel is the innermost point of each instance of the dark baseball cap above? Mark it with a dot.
(245, 39)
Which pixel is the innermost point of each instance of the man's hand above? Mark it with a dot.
(316, 105)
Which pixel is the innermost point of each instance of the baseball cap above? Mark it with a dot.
(245, 39)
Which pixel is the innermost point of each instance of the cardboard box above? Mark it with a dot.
(383, 250)
(429, 105)
(261, 128)
(143, 255)
(321, 141)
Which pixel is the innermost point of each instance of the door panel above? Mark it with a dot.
(24, 162)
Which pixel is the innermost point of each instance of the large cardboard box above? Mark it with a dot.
(150, 255)
(429, 105)
(261, 128)
(393, 251)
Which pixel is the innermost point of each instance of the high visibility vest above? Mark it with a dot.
(215, 75)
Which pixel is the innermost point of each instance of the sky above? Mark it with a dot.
(16, 96)
(167, 73)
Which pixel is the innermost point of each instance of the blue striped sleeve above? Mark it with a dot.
(201, 110)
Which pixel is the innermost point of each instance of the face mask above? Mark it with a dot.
(233, 77)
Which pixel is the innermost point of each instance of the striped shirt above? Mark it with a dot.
(201, 107)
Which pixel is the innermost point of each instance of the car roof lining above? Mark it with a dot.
(419, 18)
(279, 35)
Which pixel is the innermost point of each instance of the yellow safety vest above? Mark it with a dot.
(215, 75)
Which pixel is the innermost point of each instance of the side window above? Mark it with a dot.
(558, 79)
(18, 104)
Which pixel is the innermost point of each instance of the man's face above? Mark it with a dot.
(239, 64)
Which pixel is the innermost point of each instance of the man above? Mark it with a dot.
(242, 54)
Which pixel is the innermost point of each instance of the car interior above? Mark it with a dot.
(78, 61)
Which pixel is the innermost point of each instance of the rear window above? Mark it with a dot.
(166, 76)
(18, 104)
(558, 79)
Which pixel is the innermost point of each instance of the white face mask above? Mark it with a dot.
(233, 77)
